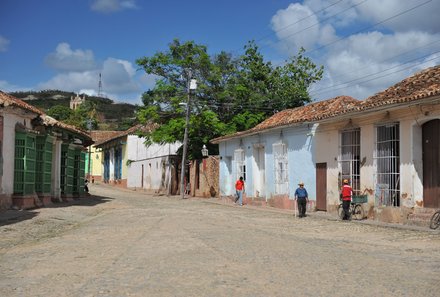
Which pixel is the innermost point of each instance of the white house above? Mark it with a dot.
(388, 146)
(152, 168)
(128, 162)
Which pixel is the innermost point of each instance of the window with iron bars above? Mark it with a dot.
(240, 163)
(387, 164)
(281, 162)
(349, 158)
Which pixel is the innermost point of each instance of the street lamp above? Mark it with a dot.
(192, 85)
(204, 152)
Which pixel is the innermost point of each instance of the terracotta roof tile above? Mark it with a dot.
(99, 136)
(421, 85)
(133, 130)
(6, 100)
(312, 112)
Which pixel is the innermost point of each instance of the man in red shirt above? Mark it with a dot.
(346, 192)
(239, 189)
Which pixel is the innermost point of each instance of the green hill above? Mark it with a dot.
(112, 116)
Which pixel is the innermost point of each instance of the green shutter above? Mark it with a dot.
(24, 163)
(47, 169)
(30, 165)
(63, 175)
(43, 165)
(20, 148)
(70, 170)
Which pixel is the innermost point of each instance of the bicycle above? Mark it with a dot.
(435, 220)
(356, 210)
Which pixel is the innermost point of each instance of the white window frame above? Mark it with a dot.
(281, 168)
(349, 157)
(387, 164)
(240, 164)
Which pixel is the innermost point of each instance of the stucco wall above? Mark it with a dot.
(9, 122)
(157, 167)
(300, 142)
(411, 161)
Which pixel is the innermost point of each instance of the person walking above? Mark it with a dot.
(346, 193)
(301, 197)
(239, 189)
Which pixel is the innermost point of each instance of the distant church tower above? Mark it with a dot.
(76, 101)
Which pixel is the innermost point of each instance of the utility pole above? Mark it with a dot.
(89, 126)
(191, 85)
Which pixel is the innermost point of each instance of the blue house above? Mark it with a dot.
(274, 156)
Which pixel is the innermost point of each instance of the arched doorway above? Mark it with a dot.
(431, 163)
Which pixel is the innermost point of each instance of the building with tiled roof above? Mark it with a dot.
(128, 162)
(40, 158)
(387, 146)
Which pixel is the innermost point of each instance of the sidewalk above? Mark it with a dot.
(322, 215)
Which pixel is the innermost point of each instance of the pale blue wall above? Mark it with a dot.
(300, 146)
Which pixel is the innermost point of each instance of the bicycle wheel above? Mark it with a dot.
(340, 211)
(435, 220)
(358, 212)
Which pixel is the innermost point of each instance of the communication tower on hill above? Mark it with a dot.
(100, 86)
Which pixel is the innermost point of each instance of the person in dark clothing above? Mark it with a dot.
(86, 186)
(302, 197)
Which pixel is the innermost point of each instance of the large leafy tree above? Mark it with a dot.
(233, 94)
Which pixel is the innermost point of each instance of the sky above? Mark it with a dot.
(365, 46)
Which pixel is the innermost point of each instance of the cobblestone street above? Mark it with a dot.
(127, 243)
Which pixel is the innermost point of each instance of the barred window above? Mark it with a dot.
(387, 164)
(349, 158)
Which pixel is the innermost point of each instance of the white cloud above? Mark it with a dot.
(109, 6)
(4, 43)
(66, 59)
(423, 17)
(363, 63)
(7, 87)
(118, 77)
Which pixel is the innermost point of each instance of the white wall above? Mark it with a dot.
(9, 122)
(154, 158)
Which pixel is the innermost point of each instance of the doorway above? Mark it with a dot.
(259, 171)
(431, 163)
(321, 186)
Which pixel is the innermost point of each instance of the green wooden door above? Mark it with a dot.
(24, 163)
(43, 165)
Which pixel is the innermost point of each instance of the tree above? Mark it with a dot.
(60, 112)
(233, 94)
(82, 115)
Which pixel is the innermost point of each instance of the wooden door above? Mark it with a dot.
(321, 186)
(431, 164)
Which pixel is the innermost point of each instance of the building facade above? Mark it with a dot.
(387, 146)
(42, 160)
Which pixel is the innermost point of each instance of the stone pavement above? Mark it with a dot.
(126, 243)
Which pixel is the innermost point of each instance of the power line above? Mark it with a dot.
(391, 58)
(343, 84)
(385, 75)
(372, 26)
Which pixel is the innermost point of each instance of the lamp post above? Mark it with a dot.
(204, 152)
(89, 126)
(192, 85)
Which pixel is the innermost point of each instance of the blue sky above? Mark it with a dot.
(365, 46)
